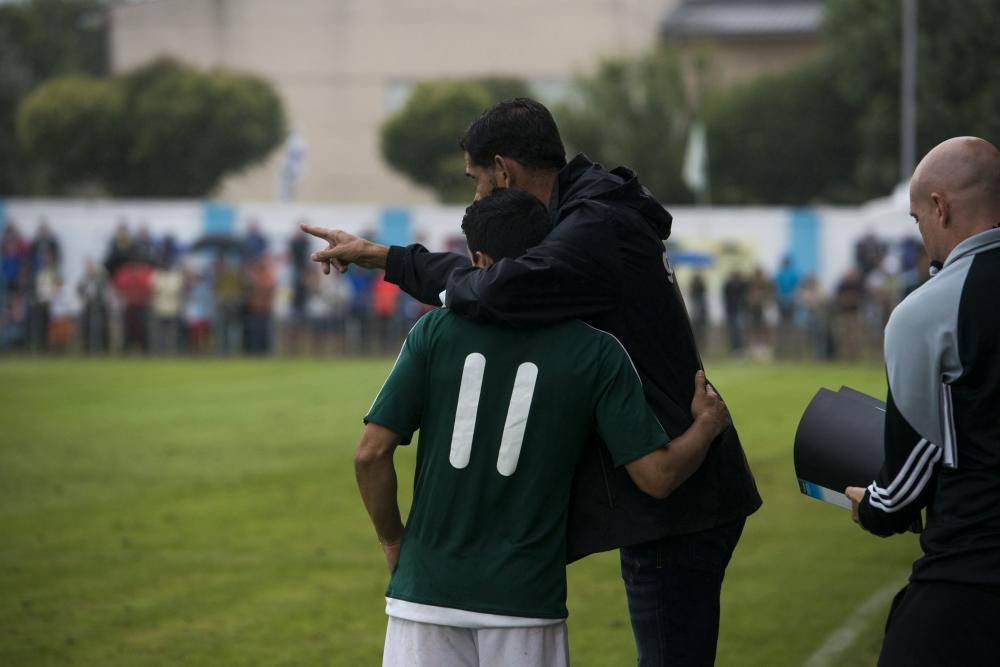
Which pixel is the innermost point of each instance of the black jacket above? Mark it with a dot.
(604, 262)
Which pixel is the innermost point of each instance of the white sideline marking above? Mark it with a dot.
(844, 637)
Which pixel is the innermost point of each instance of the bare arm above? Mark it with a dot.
(376, 475)
(660, 472)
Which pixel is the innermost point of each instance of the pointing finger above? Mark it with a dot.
(318, 232)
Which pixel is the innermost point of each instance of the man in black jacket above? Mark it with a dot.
(604, 262)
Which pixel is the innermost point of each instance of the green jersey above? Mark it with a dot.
(503, 415)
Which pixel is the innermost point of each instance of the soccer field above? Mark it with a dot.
(205, 513)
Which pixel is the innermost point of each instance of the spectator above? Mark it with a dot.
(914, 273)
(813, 309)
(698, 294)
(879, 299)
(134, 283)
(227, 299)
(198, 311)
(759, 297)
(60, 333)
(44, 244)
(326, 305)
(14, 259)
(301, 275)
(910, 251)
(786, 282)
(361, 282)
(14, 321)
(119, 248)
(169, 250)
(869, 252)
(255, 243)
(385, 300)
(734, 300)
(848, 301)
(144, 247)
(168, 292)
(260, 287)
(45, 281)
(93, 292)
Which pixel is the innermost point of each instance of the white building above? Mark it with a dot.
(341, 66)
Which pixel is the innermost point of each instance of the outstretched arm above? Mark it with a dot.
(376, 475)
(421, 274)
(573, 273)
(661, 471)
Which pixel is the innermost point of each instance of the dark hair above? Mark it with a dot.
(521, 129)
(505, 223)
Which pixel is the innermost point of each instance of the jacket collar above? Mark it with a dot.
(974, 244)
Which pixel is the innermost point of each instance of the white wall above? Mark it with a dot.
(85, 227)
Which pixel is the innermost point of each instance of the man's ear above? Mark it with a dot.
(481, 259)
(504, 171)
(942, 209)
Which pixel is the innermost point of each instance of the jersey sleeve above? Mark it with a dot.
(917, 352)
(625, 421)
(905, 483)
(399, 403)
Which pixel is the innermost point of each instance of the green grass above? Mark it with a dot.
(205, 513)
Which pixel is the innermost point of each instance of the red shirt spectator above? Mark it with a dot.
(134, 283)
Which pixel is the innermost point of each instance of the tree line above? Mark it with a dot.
(824, 132)
(164, 129)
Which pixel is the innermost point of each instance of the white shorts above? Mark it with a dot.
(412, 644)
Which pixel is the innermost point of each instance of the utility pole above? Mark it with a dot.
(908, 120)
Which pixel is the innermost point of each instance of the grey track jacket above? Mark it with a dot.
(942, 432)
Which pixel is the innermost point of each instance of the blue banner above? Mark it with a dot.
(395, 227)
(803, 241)
(219, 219)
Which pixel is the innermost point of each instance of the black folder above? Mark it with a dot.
(839, 444)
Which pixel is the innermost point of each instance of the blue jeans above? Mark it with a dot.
(673, 587)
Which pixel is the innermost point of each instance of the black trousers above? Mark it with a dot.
(941, 624)
(673, 587)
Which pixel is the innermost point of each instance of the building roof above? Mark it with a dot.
(743, 18)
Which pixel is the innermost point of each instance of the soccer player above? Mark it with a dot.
(603, 262)
(478, 573)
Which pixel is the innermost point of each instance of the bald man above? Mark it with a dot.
(942, 427)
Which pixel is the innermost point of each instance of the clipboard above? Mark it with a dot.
(839, 443)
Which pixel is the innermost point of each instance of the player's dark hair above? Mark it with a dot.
(521, 129)
(505, 223)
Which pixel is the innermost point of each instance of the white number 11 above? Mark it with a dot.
(468, 406)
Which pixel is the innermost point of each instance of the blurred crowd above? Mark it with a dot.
(221, 295)
(229, 295)
(791, 316)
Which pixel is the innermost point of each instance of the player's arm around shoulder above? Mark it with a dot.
(661, 471)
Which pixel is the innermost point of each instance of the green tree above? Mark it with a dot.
(958, 56)
(783, 139)
(421, 139)
(187, 129)
(72, 125)
(636, 113)
(163, 130)
(40, 39)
